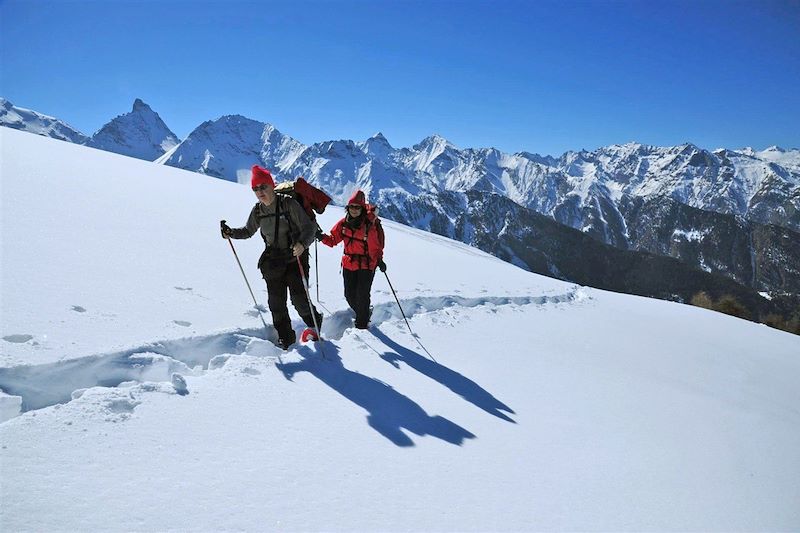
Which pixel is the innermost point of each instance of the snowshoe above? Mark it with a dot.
(309, 335)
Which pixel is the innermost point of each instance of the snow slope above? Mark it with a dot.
(534, 404)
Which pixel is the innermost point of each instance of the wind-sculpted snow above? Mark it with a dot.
(41, 386)
(44, 385)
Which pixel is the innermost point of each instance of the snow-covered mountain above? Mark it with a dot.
(33, 122)
(534, 405)
(744, 183)
(706, 209)
(584, 190)
(226, 148)
(140, 134)
(727, 212)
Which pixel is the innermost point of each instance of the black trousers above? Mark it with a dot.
(280, 277)
(357, 287)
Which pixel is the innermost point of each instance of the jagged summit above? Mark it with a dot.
(377, 146)
(379, 137)
(228, 122)
(233, 118)
(228, 146)
(434, 140)
(688, 147)
(139, 105)
(140, 133)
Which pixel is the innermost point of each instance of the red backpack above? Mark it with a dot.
(308, 196)
(373, 220)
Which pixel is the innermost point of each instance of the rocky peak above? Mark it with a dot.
(140, 133)
(140, 106)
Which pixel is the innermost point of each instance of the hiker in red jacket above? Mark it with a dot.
(363, 238)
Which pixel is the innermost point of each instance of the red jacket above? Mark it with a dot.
(363, 246)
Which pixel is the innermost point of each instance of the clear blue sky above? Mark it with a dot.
(544, 77)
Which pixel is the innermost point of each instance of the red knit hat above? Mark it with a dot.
(261, 176)
(357, 199)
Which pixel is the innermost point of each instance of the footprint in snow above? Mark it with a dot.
(256, 312)
(19, 339)
(179, 382)
(78, 309)
(121, 406)
(182, 323)
(190, 291)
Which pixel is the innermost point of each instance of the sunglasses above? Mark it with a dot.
(358, 207)
(261, 188)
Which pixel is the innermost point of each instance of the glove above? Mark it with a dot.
(382, 265)
(225, 230)
(320, 234)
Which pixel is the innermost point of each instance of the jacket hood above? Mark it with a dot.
(358, 199)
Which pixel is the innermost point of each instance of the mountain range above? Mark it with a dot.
(724, 221)
(140, 133)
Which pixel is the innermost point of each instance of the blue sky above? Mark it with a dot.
(543, 77)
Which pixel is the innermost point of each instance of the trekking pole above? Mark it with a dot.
(316, 265)
(406, 319)
(258, 308)
(310, 304)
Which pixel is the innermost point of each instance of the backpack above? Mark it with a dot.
(308, 196)
(372, 210)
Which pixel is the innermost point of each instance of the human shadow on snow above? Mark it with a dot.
(459, 384)
(389, 411)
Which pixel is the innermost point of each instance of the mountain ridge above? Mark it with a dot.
(614, 194)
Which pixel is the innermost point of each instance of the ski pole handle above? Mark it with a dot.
(225, 230)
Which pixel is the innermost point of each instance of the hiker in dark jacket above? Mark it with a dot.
(287, 232)
(363, 238)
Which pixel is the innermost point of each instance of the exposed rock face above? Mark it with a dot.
(140, 133)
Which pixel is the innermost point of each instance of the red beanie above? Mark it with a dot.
(261, 176)
(357, 199)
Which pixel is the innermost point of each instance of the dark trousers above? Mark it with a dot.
(357, 287)
(280, 277)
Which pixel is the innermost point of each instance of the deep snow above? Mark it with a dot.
(548, 406)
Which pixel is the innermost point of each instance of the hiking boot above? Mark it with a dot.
(310, 321)
(286, 342)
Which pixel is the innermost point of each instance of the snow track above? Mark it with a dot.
(339, 322)
(41, 386)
